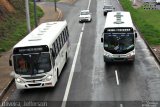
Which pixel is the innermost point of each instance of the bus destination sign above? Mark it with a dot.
(33, 49)
(119, 30)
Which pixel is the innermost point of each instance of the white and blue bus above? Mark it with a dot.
(119, 37)
(39, 58)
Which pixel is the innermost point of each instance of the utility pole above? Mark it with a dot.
(27, 16)
(134, 2)
(35, 13)
(55, 5)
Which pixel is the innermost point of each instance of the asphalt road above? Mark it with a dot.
(94, 83)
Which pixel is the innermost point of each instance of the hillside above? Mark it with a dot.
(5, 4)
(13, 22)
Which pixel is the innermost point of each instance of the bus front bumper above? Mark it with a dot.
(29, 85)
(119, 59)
(36, 85)
(109, 57)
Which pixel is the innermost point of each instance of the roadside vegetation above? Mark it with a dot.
(147, 21)
(13, 25)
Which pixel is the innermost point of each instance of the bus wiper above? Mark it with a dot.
(130, 46)
(35, 63)
(116, 47)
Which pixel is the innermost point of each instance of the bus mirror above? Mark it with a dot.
(12, 74)
(10, 62)
(136, 35)
(101, 39)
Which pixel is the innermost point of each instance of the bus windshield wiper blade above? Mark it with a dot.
(130, 46)
(35, 63)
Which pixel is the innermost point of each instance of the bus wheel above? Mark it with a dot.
(131, 62)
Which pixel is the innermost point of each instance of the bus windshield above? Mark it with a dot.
(108, 7)
(118, 43)
(31, 64)
(85, 13)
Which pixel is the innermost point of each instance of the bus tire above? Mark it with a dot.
(131, 62)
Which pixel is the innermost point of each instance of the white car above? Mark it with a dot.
(157, 1)
(84, 16)
(107, 8)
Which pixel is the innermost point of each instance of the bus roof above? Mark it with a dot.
(44, 34)
(118, 19)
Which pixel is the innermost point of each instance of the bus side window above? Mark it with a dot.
(64, 36)
(53, 51)
(59, 43)
(56, 47)
(62, 40)
(67, 33)
(53, 55)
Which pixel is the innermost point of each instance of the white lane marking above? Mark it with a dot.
(73, 65)
(89, 4)
(83, 27)
(121, 105)
(117, 77)
(72, 71)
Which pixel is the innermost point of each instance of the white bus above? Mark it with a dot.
(38, 58)
(119, 37)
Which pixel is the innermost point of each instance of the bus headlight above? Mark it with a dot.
(19, 80)
(107, 54)
(131, 54)
(48, 78)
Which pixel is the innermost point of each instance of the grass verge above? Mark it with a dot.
(147, 22)
(13, 28)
